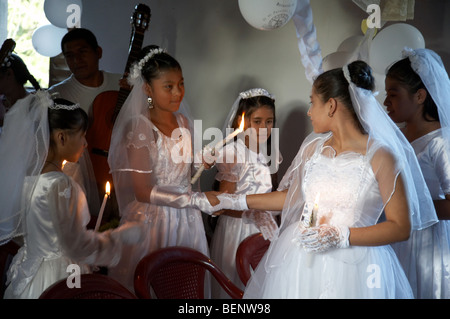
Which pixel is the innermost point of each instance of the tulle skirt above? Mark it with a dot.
(288, 272)
(425, 258)
(228, 234)
(165, 227)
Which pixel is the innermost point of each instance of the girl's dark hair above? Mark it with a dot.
(21, 72)
(73, 120)
(402, 72)
(250, 105)
(333, 84)
(160, 62)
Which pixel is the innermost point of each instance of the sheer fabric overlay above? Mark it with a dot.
(25, 124)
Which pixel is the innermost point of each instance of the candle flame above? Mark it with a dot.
(108, 188)
(64, 163)
(316, 201)
(241, 126)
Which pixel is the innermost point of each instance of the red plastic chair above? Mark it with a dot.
(249, 254)
(7, 252)
(178, 273)
(93, 286)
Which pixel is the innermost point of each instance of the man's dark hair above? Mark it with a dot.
(77, 34)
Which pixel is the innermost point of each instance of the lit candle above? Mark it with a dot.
(219, 146)
(102, 208)
(310, 223)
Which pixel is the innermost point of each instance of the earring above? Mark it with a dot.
(150, 103)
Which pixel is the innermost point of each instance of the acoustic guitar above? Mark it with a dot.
(107, 105)
(6, 51)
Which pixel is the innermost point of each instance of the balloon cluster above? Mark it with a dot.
(63, 15)
(383, 50)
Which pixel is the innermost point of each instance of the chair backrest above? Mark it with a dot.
(7, 252)
(178, 273)
(92, 286)
(249, 254)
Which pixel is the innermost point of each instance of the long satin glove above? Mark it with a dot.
(323, 237)
(233, 201)
(172, 196)
(263, 220)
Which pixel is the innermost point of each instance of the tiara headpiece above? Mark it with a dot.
(136, 69)
(255, 92)
(56, 106)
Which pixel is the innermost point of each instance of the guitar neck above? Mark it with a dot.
(137, 38)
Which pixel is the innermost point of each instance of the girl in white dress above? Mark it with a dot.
(355, 166)
(45, 206)
(244, 167)
(150, 158)
(417, 95)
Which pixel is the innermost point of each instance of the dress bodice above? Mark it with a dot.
(249, 170)
(345, 188)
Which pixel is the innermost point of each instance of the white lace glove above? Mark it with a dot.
(171, 196)
(233, 201)
(129, 233)
(263, 220)
(322, 238)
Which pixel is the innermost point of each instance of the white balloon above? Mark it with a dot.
(350, 44)
(46, 40)
(335, 60)
(387, 46)
(63, 13)
(267, 14)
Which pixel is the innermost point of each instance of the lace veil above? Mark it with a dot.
(24, 144)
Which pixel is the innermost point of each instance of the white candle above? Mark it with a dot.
(219, 146)
(312, 223)
(102, 208)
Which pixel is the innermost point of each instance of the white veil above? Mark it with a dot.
(24, 146)
(429, 66)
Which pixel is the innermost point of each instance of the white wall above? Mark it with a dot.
(222, 55)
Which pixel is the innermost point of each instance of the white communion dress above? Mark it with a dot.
(426, 255)
(349, 195)
(251, 174)
(164, 226)
(56, 237)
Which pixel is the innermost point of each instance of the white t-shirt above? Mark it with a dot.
(72, 90)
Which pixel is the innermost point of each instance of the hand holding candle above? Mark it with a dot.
(102, 208)
(219, 146)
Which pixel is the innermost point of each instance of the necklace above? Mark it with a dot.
(59, 169)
